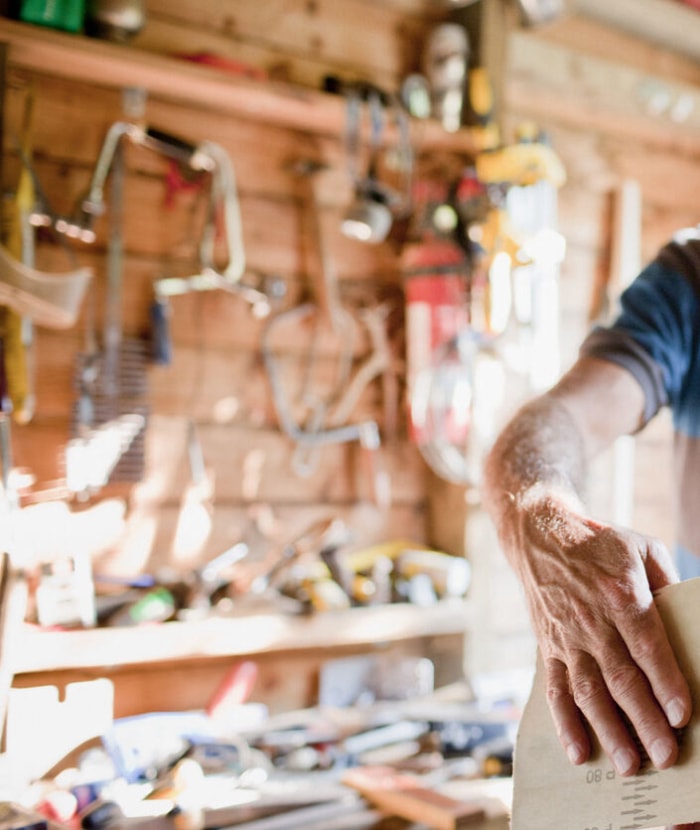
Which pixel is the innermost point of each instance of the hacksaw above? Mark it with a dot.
(550, 794)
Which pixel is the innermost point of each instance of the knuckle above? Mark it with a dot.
(620, 595)
(622, 681)
(645, 647)
(556, 694)
(586, 690)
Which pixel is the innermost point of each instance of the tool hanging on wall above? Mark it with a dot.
(375, 205)
(45, 299)
(438, 342)
(506, 318)
(111, 413)
(98, 373)
(48, 299)
(13, 583)
(261, 291)
(446, 61)
(212, 161)
(29, 296)
(207, 158)
(324, 412)
(328, 317)
(16, 329)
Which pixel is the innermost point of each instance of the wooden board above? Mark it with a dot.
(403, 795)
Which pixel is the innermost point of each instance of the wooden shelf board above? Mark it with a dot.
(79, 58)
(39, 650)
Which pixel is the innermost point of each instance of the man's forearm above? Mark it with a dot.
(539, 455)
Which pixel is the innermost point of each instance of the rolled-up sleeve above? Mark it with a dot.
(654, 335)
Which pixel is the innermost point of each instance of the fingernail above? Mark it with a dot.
(660, 752)
(624, 761)
(575, 754)
(675, 712)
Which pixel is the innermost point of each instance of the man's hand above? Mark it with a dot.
(589, 586)
(608, 660)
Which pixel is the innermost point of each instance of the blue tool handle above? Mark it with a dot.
(5, 400)
(161, 347)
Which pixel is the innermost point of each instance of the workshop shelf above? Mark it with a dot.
(40, 650)
(116, 65)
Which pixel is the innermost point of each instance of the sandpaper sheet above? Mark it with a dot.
(549, 793)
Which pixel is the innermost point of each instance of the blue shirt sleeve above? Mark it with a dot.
(654, 335)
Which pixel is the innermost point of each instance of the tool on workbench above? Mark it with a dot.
(345, 812)
(403, 794)
(235, 689)
(311, 540)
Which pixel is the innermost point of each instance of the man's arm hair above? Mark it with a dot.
(545, 449)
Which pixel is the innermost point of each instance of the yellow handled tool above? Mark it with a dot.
(16, 331)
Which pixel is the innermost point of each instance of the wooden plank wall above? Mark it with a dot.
(216, 378)
(603, 133)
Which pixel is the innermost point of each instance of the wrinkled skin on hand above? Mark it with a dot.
(589, 587)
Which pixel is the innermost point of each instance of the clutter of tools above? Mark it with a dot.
(320, 569)
(406, 752)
